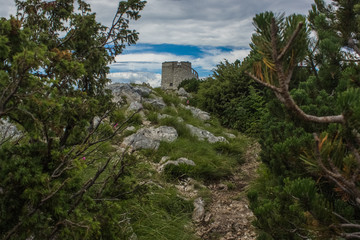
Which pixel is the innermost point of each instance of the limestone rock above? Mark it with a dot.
(135, 106)
(177, 162)
(149, 138)
(142, 90)
(120, 90)
(199, 211)
(198, 113)
(8, 130)
(230, 135)
(205, 135)
(183, 92)
(156, 102)
(162, 116)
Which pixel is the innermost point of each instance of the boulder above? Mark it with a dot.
(202, 135)
(198, 113)
(120, 90)
(230, 135)
(156, 102)
(182, 92)
(142, 90)
(135, 106)
(176, 162)
(150, 138)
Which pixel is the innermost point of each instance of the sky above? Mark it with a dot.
(204, 32)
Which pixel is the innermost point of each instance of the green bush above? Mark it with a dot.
(190, 85)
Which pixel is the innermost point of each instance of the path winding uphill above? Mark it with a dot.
(228, 216)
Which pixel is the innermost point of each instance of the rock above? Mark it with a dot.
(164, 159)
(179, 119)
(120, 90)
(177, 162)
(162, 116)
(149, 138)
(131, 128)
(183, 92)
(8, 131)
(135, 106)
(156, 102)
(205, 135)
(230, 135)
(199, 210)
(143, 91)
(198, 113)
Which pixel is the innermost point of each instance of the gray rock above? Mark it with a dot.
(198, 113)
(177, 162)
(164, 159)
(156, 102)
(230, 135)
(8, 131)
(135, 106)
(183, 92)
(96, 121)
(199, 210)
(150, 138)
(130, 128)
(162, 116)
(202, 135)
(120, 90)
(143, 91)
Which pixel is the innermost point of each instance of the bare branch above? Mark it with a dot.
(278, 90)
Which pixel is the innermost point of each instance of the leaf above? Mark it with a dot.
(322, 142)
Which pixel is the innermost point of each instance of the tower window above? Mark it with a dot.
(171, 84)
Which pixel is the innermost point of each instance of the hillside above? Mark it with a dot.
(189, 175)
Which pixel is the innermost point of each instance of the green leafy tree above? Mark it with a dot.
(310, 185)
(54, 61)
(232, 97)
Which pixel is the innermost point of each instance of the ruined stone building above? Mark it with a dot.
(173, 73)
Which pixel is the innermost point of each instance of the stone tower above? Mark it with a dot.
(173, 73)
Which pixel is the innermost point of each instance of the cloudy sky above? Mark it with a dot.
(204, 32)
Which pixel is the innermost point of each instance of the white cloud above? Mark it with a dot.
(154, 79)
(205, 22)
(212, 57)
(151, 62)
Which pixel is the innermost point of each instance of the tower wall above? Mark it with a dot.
(173, 73)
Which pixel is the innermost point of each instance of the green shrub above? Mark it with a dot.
(190, 85)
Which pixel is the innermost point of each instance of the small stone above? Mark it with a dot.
(199, 210)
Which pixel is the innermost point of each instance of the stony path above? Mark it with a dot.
(228, 216)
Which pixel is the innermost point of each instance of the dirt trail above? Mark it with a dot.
(228, 216)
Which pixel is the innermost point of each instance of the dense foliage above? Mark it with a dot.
(304, 107)
(53, 67)
(309, 185)
(233, 97)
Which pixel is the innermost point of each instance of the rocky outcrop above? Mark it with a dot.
(150, 138)
(156, 102)
(183, 93)
(135, 106)
(202, 135)
(177, 162)
(135, 95)
(125, 90)
(198, 113)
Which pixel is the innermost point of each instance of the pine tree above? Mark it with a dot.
(316, 129)
(54, 61)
